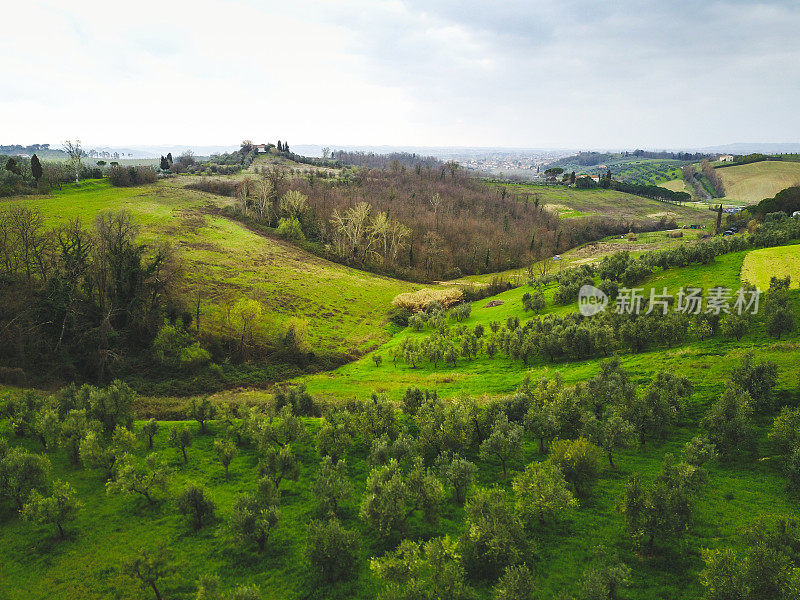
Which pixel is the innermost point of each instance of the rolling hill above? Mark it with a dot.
(224, 261)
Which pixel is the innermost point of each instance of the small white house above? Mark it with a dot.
(726, 158)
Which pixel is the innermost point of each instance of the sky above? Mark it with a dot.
(565, 74)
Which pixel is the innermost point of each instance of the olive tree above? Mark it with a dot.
(279, 464)
(516, 583)
(98, 453)
(180, 438)
(391, 498)
(137, 476)
(579, 461)
(729, 422)
(504, 443)
(429, 571)
(148, 569)
(57, 508)
(21, 473)
(612, 432)
(331, 550)
(226, 451)
(494, 536)
(149, 430)
(331, 485)
(542, 492)
(196, 505)
(255, 516)
(458, 472)
(663, 510)
(201, 411)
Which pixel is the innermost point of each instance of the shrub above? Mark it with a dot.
(461, 312)
(290, 228)
(221, 187)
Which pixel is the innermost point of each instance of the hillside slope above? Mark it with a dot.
(573, 203)
(223, 262)
(756, 181)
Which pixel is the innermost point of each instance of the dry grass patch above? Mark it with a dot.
(417, 301)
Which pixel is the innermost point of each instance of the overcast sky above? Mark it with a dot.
(570, 73)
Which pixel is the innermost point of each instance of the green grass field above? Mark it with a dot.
(676, 185)
(760, 266)
(749, 184)
(570, 203)
(223, 261)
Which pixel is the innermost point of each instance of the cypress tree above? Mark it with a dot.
(36, 168)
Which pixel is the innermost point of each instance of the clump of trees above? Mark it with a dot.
(76, 301)
(128, 176)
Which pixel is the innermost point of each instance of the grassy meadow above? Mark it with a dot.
(749, 184)
(571, 203)
(759, 266)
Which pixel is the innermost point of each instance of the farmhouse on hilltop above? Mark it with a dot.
(726, 158)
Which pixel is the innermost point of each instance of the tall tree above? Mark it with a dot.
(36, 168)
(76, 154)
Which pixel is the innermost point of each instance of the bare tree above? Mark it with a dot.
(436, 202)
(76, 154)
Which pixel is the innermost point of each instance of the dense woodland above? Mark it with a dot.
(421, 223)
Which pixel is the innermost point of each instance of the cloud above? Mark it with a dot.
(569, 73)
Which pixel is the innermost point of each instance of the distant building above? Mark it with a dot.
(726, 158)
(260, 147)
(796, 213)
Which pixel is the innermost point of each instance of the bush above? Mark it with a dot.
(128, 176)
(290, 228)
(221, 187)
